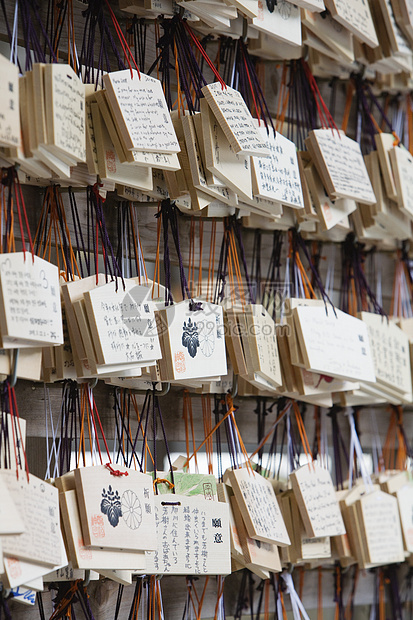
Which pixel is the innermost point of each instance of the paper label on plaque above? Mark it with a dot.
(278, 176)
(259, 507)
(124, 321)
(336, 344)
(116, 511)
(316, 499)
(315, 548)
(9, 95)
(141, 108)
(235, 119)
(193, 537)
(38, 505)
(382, 528)
(191, 485)
(30, 294)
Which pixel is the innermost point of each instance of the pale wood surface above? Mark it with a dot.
(31, 395)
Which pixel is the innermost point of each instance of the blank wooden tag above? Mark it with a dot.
(259, 507)
(71, 292)
(86, 557)
(293, 343)
(193, 537)
(277, 177)
(341, 165)
(403, 12)
(10, 114)
(356, 16)
(348, 507)
(316, 499)
(384, 145)
(116, 511)
(235, 119)
(138, 105)
(338, 38)
(334, 344)
(224, 495)
(30, 295)
(386, 212)
(123, 577)
(234, 342)
(38, 505)
(330, 212)
(109, 165)
(192, 128)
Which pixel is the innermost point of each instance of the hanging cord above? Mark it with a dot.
(53, 234)
(356, 294)
(98, 229)
(169, 214)
(297, 245)
(33, 33)
(397, 452)
(402, 293)
(14, 198)
(95, 20)
(340, 453)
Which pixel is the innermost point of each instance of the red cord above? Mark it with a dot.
(123, 42)
(252, 91)
(116, 472)
(205, 56)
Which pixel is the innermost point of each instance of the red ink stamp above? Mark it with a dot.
(14, 567)
(84, 552)
(98, 526)
(180, 362)
(111, 161)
